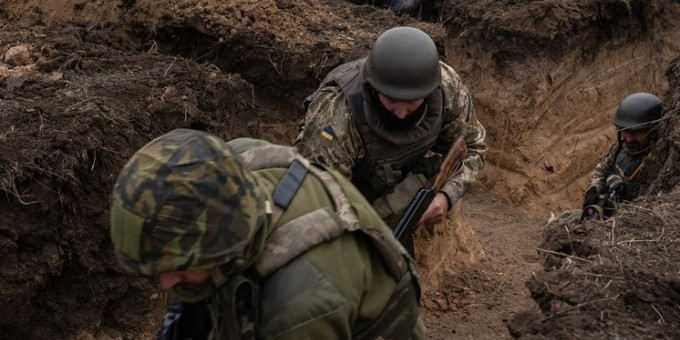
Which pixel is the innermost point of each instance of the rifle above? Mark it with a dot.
(426, 194)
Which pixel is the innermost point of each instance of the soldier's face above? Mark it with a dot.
(189, 279)
(635, 138)
(400, 108)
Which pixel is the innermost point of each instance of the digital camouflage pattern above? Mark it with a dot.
(167, 213)
(329, 135)
(619, 161)
(602, 169)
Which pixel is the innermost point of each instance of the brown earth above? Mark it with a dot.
(83, 84)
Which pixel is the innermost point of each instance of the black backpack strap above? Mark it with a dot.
(289, 184)
(356, 103)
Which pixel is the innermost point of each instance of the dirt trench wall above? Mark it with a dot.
(616, 278)
(547, 77)
(284, 48)
(73, 112)
(131, 70)
(666, 177)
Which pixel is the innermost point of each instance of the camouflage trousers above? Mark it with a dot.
(395, 203)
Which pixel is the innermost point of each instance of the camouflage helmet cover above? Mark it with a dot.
(183, 201)
(403, 64)
(638, 111)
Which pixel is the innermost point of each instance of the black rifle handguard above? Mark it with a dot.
(416, 209)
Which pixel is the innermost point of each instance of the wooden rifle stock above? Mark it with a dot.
(426, 194)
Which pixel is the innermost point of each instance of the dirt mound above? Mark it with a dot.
(618, 278)
(83, 84)
(71, 117)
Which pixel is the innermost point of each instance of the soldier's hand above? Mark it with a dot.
(436, 211)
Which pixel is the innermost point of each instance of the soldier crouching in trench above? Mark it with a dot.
(259, 243)
(615, 178)
(376, 119)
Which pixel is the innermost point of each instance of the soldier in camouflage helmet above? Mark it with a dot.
(273, 246)
(614, 178)
(376, 118)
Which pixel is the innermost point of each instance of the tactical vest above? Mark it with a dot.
(297, 236)
(390, 153)
(628, 167)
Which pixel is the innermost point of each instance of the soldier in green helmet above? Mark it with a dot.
(273, 246)
(614, 178)
(378, 118)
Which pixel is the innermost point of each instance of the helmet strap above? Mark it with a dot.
(634, 152)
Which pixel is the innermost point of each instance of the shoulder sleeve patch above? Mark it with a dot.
(328, 133)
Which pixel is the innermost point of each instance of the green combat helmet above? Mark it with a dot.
(638, 111)
(184, 201)
(403, 64)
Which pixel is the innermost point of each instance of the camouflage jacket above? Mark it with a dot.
(318, 280)
(329, 132)
(618, 161)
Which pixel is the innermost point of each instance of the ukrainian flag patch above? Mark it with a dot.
(328, 133)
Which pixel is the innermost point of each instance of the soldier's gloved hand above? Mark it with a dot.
(427, 166)
(592, 197)
(436, 211)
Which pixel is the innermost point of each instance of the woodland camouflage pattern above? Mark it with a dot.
(345, 150)
(191, 223)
